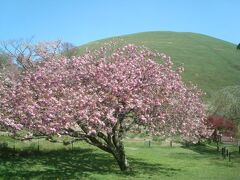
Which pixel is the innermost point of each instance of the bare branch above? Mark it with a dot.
(25, 53)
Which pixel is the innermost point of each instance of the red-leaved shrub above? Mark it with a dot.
(224, 126)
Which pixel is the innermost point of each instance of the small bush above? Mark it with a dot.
(221, 126)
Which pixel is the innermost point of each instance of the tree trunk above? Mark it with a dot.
(117, 144)
(111, 143)
(120, 156)
(114, 146)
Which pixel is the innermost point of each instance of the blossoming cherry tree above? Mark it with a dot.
(100, 96)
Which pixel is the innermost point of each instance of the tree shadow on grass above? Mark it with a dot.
(214, 156)
(74, 164)
(202, 149)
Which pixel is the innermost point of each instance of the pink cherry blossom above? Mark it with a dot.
(100, 96)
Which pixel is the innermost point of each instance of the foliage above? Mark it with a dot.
(222, 126)
(101, 95)
(238, 46)
(226, 103)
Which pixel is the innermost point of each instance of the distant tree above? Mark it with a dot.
(222, 126)
(226, 103)
(68, 49)
(7, 68)
(26, 54)
(3, 59)
(238, 46)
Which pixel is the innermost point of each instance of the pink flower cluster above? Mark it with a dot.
(95, 91)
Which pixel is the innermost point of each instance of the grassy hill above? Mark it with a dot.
(209, 62)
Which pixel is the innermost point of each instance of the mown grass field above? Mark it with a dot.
(209, 62)
(56, 161)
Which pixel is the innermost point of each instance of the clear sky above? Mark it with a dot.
(81, 21)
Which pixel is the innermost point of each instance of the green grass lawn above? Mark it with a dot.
(55, 161)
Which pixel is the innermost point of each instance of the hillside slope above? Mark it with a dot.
(209, 62)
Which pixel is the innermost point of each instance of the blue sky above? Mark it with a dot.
(80, 21)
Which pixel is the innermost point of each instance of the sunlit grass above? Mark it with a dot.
(159, 161)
